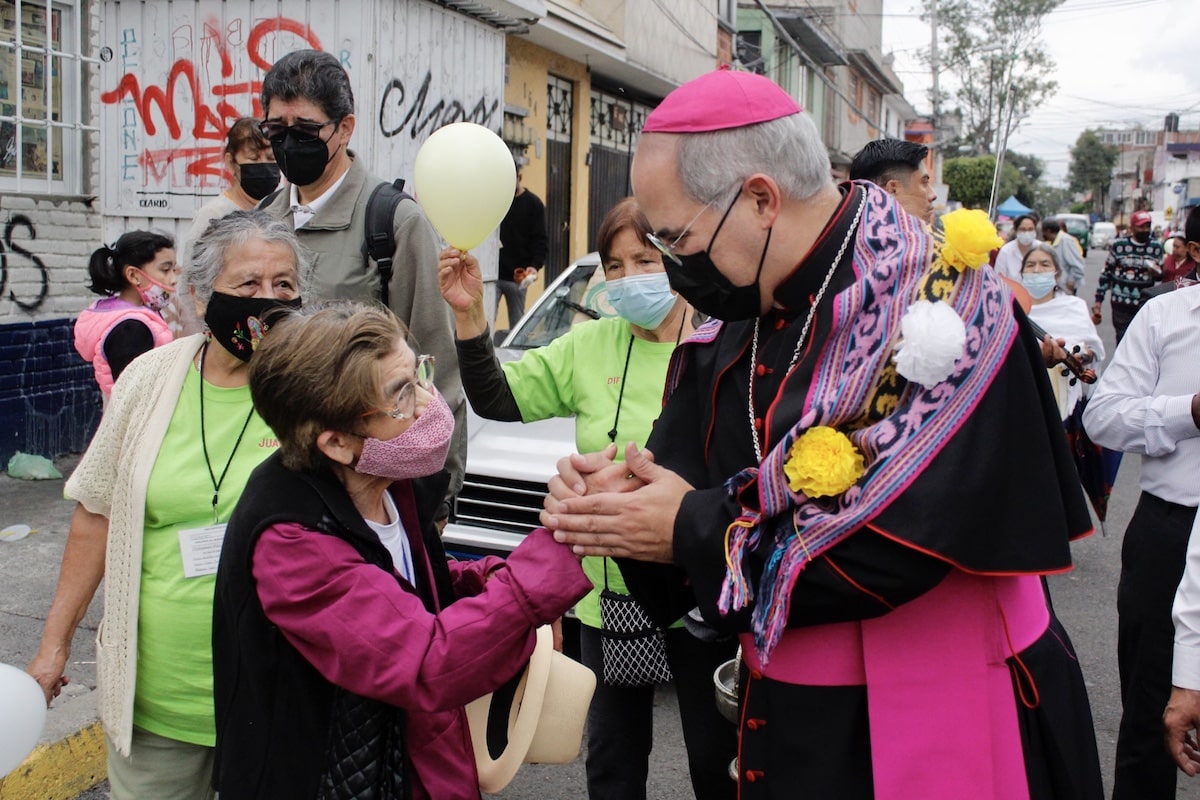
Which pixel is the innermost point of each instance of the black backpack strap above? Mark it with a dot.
(266, 201)
(379, 235)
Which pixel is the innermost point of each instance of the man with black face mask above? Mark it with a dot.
(814, 491)
(308, 107)
(1134, 264)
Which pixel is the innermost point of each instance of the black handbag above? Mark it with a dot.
(633, 647)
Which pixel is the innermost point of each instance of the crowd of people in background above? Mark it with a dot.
(324, 447)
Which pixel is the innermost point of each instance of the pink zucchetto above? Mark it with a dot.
(720, 100)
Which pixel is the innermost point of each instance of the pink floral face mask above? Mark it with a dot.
(420, 450)
(156, 296)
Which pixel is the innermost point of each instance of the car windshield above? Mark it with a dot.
(1076, 227)
(577, 296)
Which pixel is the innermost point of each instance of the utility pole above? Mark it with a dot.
(935, 65)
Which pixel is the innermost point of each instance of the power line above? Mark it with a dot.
(812, 65)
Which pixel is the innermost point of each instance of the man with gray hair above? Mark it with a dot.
(814, 484)
(308, 107)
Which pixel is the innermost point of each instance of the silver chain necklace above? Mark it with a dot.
(812, 311)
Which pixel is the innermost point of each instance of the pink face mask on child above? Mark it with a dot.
(156, 296)
(419, 451)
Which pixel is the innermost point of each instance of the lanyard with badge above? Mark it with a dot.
(201, 547)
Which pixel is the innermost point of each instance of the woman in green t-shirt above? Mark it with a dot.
(155, 488)
(609, 374)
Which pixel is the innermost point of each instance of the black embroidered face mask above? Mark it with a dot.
(698, 280)
(239, 323)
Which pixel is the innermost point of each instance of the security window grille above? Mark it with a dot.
(41, 91)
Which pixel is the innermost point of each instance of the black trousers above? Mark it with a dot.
(620, 723)
(1121, 317)
(1153, 556)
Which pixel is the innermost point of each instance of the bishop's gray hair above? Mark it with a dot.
(789, 149)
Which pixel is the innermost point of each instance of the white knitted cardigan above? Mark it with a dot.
(111, 480)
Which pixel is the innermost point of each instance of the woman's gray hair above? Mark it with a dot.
(211, 248)
(1041, 247)
(789, 149)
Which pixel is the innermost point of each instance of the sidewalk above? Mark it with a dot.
(70, 757)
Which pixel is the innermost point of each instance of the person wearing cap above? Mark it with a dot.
(1134, 264)
(814, 486)
(1148, 402)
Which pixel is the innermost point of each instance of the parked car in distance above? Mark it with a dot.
(1102, 234)
(1078, 225)
(509, 463)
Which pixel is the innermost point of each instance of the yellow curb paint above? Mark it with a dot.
(61, 770)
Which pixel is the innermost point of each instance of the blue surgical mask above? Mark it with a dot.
(1039, 284)
(644, 300)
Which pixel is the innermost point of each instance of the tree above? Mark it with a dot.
(1031, 169)
(1091, 168)
(993, 49)
(970, 180)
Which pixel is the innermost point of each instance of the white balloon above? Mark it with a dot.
(465, 178)
(22, 716)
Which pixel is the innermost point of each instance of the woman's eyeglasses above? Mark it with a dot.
(405, 403)
(304, 131)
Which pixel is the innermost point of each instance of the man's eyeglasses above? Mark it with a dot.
(668, 250)
(276, 132)
(405, 404)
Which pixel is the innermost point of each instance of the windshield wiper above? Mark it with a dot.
(571, 304)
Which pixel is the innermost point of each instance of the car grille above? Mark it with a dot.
(509, 505)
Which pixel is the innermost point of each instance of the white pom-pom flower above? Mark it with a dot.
(933, 338)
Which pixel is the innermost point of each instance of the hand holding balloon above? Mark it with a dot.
(22, 716)
(461, 284)
(465, 178)
(460, 279)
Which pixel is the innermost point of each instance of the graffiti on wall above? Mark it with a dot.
(216, 80)
(172, 89)
(416, 113)
(10, 248)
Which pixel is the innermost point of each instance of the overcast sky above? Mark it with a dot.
(1119, 63)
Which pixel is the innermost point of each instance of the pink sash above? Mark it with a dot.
(939, 691)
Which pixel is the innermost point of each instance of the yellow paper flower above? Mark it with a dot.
(967, 239)
(823, 463)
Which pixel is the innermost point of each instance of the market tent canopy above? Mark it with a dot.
(1012, 207)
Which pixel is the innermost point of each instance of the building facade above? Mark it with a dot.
(830, 58)
(113, 116)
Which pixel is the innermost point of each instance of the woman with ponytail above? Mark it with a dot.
(136, 278)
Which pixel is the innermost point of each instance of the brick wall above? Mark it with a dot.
(49, 402)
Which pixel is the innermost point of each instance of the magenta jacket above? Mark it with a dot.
(367, 632)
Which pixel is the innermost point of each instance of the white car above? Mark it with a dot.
(1102, 234)
(509, 463)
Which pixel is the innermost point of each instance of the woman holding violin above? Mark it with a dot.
(1066, 318)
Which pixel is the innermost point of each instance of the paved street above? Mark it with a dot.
(1084, 599)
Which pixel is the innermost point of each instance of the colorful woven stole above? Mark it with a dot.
(898, 427)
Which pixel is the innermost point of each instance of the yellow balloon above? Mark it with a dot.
(465, 178)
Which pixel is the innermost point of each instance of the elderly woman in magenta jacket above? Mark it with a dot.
(345, 645)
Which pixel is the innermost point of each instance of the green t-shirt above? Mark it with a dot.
(174, 694)
(579, 375)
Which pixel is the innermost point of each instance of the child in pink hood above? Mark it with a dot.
(136, 277)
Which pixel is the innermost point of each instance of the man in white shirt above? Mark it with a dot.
(1148, 402)
(1182, 716)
